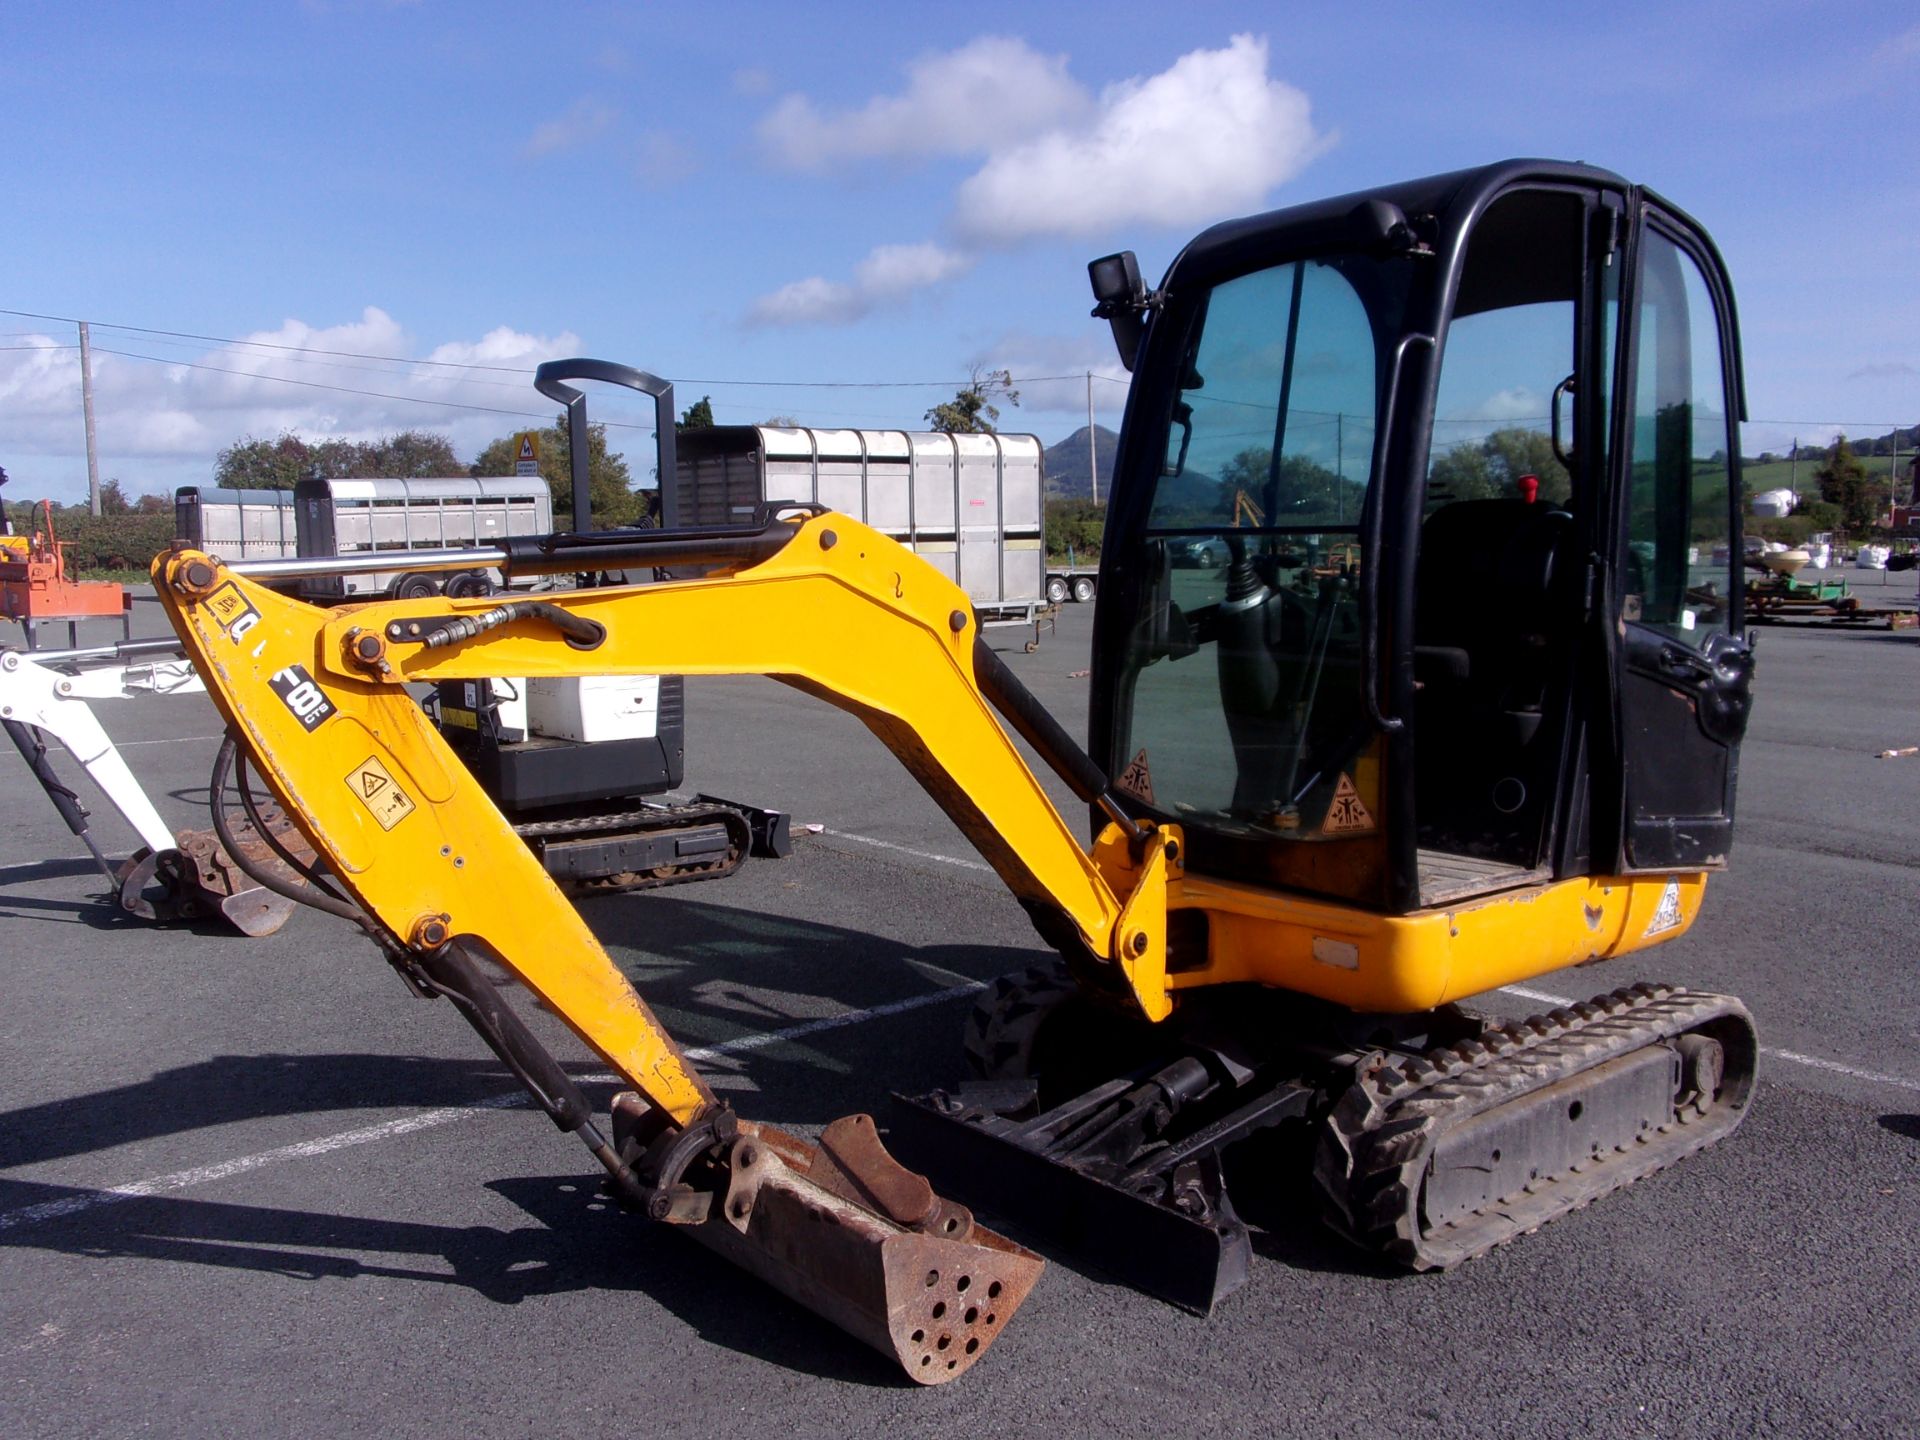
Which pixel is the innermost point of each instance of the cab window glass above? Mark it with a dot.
(1243, 679)
(1678, 573)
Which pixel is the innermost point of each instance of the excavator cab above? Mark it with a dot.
(1469, 444)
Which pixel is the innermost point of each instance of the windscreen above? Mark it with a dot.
(1241, 704)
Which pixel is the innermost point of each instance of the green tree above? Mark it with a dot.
(1843, 484)
(697, 416)
(609, 483)
(408, 455)
(1489, 468)
(113, 499)
(972, 411)
(1074, 527)
(254, 464)
(251, 463)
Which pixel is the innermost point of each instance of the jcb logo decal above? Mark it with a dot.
(233, 610)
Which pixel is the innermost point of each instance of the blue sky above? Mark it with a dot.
(734, 193)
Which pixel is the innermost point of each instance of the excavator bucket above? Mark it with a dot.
(845, 1230)
(199, 878)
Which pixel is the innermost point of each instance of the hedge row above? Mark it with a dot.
(100, 542)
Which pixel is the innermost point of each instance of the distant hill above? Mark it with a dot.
(1067, 464)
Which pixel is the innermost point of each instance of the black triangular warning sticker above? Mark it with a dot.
(370, 783)
(1347, 815)
(1136, 779)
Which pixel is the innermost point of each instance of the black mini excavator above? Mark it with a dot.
(1459, 707)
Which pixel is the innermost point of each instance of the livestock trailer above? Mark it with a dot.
(970, 505)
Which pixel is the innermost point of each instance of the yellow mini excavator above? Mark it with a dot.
(1461, 706)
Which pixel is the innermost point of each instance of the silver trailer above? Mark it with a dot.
(236, 524)
(324, 517)
(970, 505)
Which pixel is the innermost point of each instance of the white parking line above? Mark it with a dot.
(904, 850)
(168, 740)
(432, 1119)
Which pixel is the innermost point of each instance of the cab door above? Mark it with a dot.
(1683, 663)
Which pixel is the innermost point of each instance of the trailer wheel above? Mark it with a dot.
(469, 585)
(414, 587)
(1082, 589)
(1056, 590)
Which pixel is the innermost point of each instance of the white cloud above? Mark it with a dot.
(989, 92)
(1209, 136)
(889, 273)
(1050, 372)
(891, 270)
(662, 158)
(162, 420)
(585, 119)
(1897, 50)
(752, 81)
(1514, 403)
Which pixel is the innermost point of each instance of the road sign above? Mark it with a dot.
(526, 453)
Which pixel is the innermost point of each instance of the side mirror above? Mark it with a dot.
(1121, 298)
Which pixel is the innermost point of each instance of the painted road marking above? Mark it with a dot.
(432, 1119)
(905, 850)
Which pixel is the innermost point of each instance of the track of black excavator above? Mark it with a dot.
(674, 843)
(1408, 1123)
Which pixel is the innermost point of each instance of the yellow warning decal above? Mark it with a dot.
(1346, 815)
(233, 610)
(1137, 779)
(373, 786)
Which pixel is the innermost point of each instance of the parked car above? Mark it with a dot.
(1200, 552)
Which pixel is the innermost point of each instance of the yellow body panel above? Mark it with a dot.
(1387, 963)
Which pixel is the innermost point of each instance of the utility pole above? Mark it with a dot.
(1093, 449)
(1793, 469)
(86, 406)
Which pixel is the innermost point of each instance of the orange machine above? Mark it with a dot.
(34, 584)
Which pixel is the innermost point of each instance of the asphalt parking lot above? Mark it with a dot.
(252, 1187)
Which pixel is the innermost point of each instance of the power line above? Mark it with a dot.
(522, 369)
(269, 344)
(317, 385)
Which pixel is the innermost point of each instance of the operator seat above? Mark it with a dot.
(1488, 629)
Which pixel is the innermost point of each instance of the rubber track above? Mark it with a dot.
(653, 818)
(1383, 1131)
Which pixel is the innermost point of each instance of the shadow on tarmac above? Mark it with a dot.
(580, 1241)
(1904, 1125)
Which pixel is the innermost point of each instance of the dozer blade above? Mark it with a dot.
(848, 1232)
(1191, 1257)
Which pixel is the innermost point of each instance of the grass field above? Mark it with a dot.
(1780, 474)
